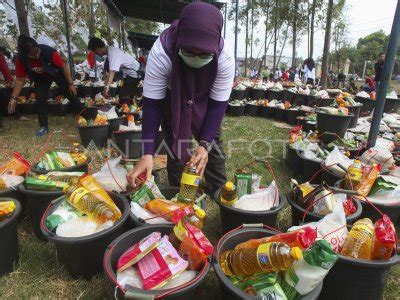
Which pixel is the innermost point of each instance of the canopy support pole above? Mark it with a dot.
(67, 37)
(236, 34)
(385, 78)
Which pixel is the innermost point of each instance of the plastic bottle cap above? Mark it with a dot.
(296, 253)
(200, 213)
(65, 188)
(229, 185)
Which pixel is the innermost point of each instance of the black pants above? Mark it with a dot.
(129, 88)
(42, 86)
(215, 172)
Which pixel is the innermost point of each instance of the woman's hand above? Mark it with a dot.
(145, 164)
(11, 106)
(199, 159)
(72, 90)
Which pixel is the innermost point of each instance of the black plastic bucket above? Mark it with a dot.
(9, 246)
(27, 108)
(310, 126)
(78, 168)
(272, 94)
(116, 122)
(16, 194)
(329, 177)
(310, 167)
(351, 279)
(368, 104)
(355, 111)
(392, 105)
(97, 134)
(228, 242)
(331, 125)
(267, 111)
(232, 217)
(58, 109)
(25, 92)
(256, 94)
(324, 102)
(189, 291)
(300, 99)
(252, 110)
(293, 160)
(392, 211)
(129, 142)
(168, 193)
(53, 93)
(37, 202)
(236, 110)
(280, 114)
(83, 256)
(86, 91)
(292, 114)
(298, 213)
(288, 96)
(239, 95)
(90, 113)
(112, 91)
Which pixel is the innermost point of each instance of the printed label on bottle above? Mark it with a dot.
(77, 195)
(263, 255)
(189, 179)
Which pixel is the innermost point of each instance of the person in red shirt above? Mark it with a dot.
(369, 82)
(285, 75)
(43, 65)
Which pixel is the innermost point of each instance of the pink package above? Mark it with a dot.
(160, 265)
(138, 251)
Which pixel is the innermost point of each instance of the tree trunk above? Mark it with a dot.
(283, 46)
(251, 39)
(294, 27)
(324, 75)
(22, 17)
(266, 34)
(308, 29)
(247, 40)
(275, 33)
(312, 28)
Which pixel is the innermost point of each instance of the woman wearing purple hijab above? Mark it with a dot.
(189, 76)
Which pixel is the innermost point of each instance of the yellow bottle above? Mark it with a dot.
(359, 242)
(196, 219)
(354, 174)
(86, 203)
(189, 185)
(268, 257)
(229, 194)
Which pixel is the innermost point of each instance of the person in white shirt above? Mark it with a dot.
(118, 60)
(309, 71)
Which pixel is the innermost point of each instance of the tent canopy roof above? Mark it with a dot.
(145, 41)
(163, 11)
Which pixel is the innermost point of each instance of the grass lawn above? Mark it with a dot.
(39, 274)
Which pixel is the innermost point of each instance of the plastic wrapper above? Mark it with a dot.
(378, 155)
(160, 265)
(17, 165)
(302, 238)
(332, 228)
(43, 182)
(112, 176)
(324, 202)
(370, 174)
(138, 251)
(54, 160)
(385, 183)
(307, 273)
(147, 216)
(110, 114)
(62, 214)
(9, 181)
(172, 211)
(81, 226)
(261, 200)
(199, 238)
(334, 159)
(296, 134)
(262, 285)
(7, 208)
(190, 251)
(147, 192)
(384, 242)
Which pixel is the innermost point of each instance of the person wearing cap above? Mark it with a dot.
(43, 65)
(118, 60)
(189, 77)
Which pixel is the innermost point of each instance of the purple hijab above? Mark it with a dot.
(198, 28)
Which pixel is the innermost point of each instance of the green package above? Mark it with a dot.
(382, 185)
(306, 274)
(147, 192)
(263, 285)
(39, 184)
(62, 214)
(243, 183)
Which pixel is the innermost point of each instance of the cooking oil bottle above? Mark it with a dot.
(354, 174)
(229, 194)
(268, 257)
(189, 184)
(86, 203)
(359, 242)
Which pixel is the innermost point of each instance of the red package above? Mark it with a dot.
(349, 207)
(302, 238)
(198, 236)
(190, 251)
(138, 251)
(384, 239)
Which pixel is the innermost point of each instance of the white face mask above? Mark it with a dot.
(194, 61)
